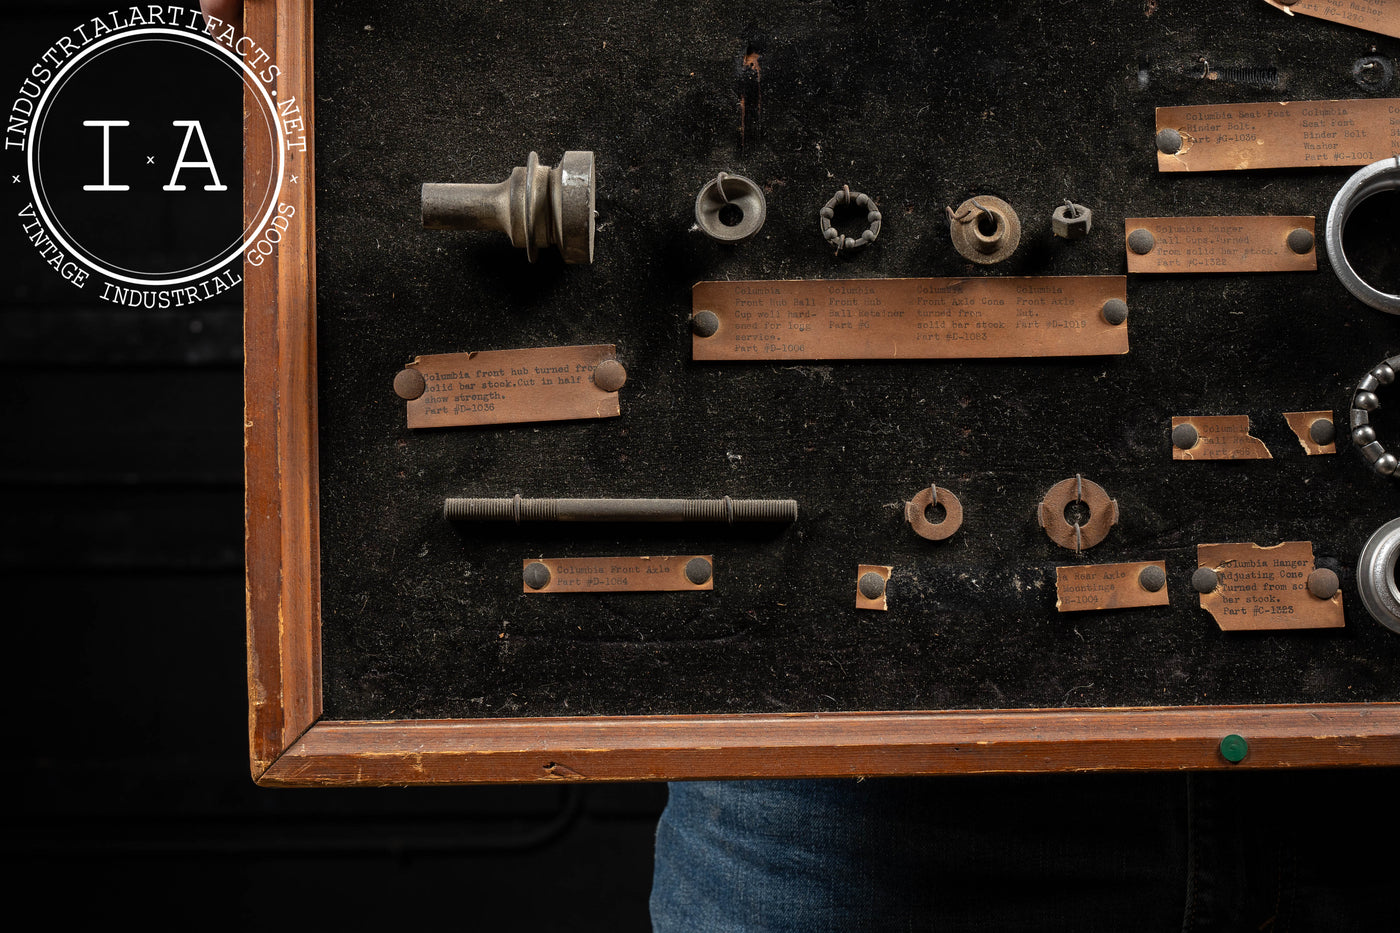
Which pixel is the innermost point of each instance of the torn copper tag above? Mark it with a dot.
(1381, 16)
(1111, 586)
(1316, 431)
(1215, 437)
(886, 319)
(1248, 587)
(1276, 135)
(1220, 244)
(618, 574)
(871, 582)
(511, 386)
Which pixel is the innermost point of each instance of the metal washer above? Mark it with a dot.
(952, 520)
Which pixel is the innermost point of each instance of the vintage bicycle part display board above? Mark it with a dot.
(389, 644)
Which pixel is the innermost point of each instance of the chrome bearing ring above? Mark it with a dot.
(1372, 179)
(1375, 575)
(1363, 402)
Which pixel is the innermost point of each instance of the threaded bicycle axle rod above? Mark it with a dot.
(726, 510)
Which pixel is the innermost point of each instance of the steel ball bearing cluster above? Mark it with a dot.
(1365, 401)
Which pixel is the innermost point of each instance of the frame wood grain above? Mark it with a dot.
(290, 745)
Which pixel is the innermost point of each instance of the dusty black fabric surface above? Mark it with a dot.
(919, 106)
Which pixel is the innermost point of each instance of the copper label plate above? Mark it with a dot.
(878, 602)
(1265, 587)
(1221, 244)
(1220, 437)
(1301, 422)
(1382, 16)
(511, 386)
(886, 319)
(1106, 586)
(619, 574)
(1280, 135)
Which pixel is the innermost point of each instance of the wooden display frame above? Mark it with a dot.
(290, 744)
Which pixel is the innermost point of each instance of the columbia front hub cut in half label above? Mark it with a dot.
(902, 319)
(1292, 134)
(511, 386)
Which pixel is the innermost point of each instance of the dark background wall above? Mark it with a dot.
(122, 568)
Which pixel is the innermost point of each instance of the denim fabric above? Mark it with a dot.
(1081, 852)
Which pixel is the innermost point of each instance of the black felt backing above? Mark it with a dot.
(920, 106)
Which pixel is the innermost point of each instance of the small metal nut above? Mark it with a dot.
(1323, 583)
(1300, 241)
(1141, 241)
(1168, 141)
(1072, 221)
(730, 208)
(1322, 431)
(609, 375)
(1185, 436)
(409, 384)
(1114, 311)
(872, 585)
(1204, 580)
(536, 576)
(1152, 578)
(704, 323)
(698, 570)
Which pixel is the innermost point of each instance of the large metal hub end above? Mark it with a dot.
(538, 205)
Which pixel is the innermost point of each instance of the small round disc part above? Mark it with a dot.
(704, 323)
(1115, 311)
(1103, 513)
(1323, 583)
(698, 571)
(1184, 436)
(872, 585)
(536, 575)
(1168, 141)
(409, 384)
(1233, 748)
(1204, 580)
(609, 376)
(1300, 241)
(934, 531)
(1152, 578)
(1322, 431)
(1141, 241)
